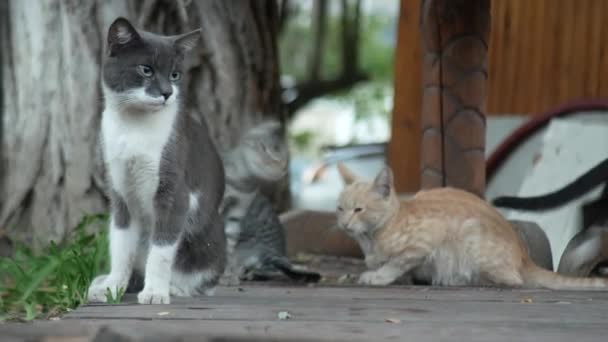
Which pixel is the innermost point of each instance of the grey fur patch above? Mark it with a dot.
(120, 212)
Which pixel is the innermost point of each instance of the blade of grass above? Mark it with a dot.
(39, 278)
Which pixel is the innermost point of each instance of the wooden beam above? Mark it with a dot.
(404, 147)
(455, 36)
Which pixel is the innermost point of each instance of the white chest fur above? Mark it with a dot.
(133, 146)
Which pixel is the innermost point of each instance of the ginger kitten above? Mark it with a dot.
(444, 236)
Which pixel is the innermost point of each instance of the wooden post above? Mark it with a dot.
(455, 36)
(404, 147)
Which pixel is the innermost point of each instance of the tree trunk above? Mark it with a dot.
(51, 89)
(319, 31)
(351, 14)
(455, 37)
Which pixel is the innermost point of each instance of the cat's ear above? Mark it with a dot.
(383, 184)
(121, 33)
(188, 41)
(347, 175)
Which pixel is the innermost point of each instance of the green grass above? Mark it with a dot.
(114, 300)
(45, 284)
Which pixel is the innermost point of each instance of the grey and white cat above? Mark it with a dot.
(255, 236)
(165, 176)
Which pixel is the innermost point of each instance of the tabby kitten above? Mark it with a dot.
(260, 251)
(165, 176)
(260, 157)
(445, 236)
(256, 238)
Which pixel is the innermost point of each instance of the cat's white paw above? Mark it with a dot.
(99, 288)
(152, 296)
(374, 278)
(371, 261)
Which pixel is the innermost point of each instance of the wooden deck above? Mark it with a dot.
(337, 313)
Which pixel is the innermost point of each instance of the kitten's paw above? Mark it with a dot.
(372, 261)
(152, 296)
(374, 278)
(99, 288)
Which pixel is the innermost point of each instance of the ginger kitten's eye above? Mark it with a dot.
(357, 210)
(176, 76)
(145, 70)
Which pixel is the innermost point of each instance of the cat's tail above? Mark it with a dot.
(283, 264)
(536, 276)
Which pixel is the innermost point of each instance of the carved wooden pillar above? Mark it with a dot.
(455, 36)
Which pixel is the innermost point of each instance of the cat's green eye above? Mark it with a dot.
(357, 210)
(145, 70)
(176, 76)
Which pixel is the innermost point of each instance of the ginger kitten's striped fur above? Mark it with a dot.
(445, 236)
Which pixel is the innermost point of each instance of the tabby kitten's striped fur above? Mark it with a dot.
(445, 236)
(255, 236)
(260, 250)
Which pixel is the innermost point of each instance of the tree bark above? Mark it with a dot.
(455, 36)
(52, 52)
(351, 15)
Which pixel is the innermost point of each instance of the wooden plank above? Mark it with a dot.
(539, 57)
(355, 304)
(565, 53)
(603, 83)
(498, 54)
(512, 64)
(343, 314)
(552, 43)
(542, 53)
(284, 331)
(250, 313)
(592, 75)
(404, 147)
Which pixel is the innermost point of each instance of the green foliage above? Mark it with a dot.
(301, 141)
(369, 100)
(38, 285)
(375, 55)
(110, 297)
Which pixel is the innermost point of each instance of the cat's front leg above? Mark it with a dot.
(389, 272)
(158, 273)
(169, 223)
(382, 276)
(373, 261)
(124, 238)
